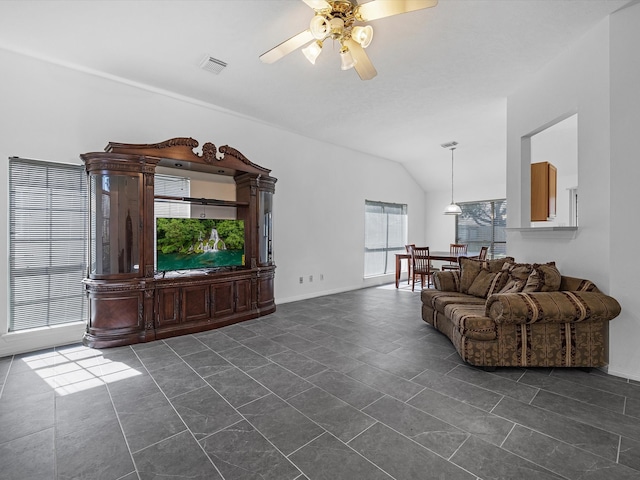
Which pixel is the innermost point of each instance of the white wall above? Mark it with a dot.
(579, 81)
(625, 194)
(54, 113)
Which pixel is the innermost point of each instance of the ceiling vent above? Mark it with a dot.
(212, 65)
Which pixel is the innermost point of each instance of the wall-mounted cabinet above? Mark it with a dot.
(130, 301)
(543, 191)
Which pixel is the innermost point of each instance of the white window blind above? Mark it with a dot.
(171, 186)
(47, 243)
(385, 226)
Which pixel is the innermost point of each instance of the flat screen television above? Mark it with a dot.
(198, 243)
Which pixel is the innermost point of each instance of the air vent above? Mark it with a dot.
(212, 65)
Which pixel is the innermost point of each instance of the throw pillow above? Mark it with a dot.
(497, 264)
(470, 268)
(483, 283)
(518, 274)
(498, 283)
(543, 278)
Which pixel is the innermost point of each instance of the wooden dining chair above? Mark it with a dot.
(408, 248)
(483, 253)
(421, 265)
(455, 249)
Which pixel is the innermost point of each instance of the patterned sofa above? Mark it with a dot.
(502, 313)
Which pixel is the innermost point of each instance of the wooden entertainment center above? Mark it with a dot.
(129, 301)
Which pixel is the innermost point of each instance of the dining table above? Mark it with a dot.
(433, 255)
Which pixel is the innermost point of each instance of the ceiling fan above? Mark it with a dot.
(336, 20)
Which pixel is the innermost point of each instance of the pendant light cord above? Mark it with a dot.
(452, 173)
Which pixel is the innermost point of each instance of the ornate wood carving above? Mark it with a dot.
(209, 152)
(181, 148)
(227, 150)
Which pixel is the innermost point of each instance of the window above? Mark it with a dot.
(385, 234)
(483, 224)
(171, 186)
(47, 243)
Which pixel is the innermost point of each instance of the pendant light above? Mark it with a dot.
(453, 208)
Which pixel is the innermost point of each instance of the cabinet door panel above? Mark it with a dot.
(543, 191)
(168, 306)
(243, 295)
(196, 303)
(223, 300)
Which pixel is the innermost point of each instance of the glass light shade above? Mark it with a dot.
(347, 61)
(319, 27)
(453, 209)
(312, 51)
(362, 35)
(337, 25)
(317, 4)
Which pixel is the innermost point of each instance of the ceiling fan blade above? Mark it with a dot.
(363, 65)
(386, 8)
(286, 47)
(318, 4)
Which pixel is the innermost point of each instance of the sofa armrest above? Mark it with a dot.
(447, 281)
(551, 307)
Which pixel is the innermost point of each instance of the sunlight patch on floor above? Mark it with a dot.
(76, 369)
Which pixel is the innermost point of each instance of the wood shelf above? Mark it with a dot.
(202, 201)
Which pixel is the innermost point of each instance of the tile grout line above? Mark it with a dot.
(175, 410)
(243, 417)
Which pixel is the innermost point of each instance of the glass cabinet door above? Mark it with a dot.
(114, 224)
(265, 228)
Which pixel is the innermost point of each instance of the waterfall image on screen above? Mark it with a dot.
(195, 243)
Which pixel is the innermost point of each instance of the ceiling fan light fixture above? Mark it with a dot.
(346, 59)
(319, 27)
(312, 51)
(335, 19)
(363, 35)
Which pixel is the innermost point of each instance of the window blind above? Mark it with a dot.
(47, 243)
(385, 235)
(171, 186)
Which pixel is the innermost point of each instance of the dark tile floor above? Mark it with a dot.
(348, 386)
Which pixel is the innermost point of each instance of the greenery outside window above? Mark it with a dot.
(483, 224)
(385, 227)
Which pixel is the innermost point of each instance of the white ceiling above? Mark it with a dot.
(443, 73)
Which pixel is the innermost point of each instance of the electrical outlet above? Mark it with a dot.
(311, 278)
(301, 279)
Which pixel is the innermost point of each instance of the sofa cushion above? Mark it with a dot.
(543, 278)
(438, 300)
(518, 274)
(471, 321)
(470, 268)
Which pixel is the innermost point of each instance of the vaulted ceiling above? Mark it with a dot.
(443, 73)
